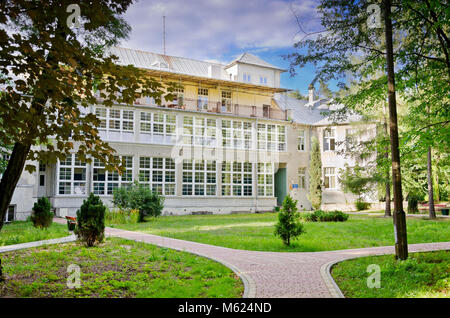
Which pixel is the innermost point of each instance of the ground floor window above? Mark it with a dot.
(104, 182)
(71, 176)
(158, 174)
(329, 178)
(265, 179)
(302, 178)
(199, 177)
(237, 179)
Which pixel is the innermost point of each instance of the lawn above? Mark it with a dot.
(116, 268)
(23, 231)
(255, 231)
(423, 275)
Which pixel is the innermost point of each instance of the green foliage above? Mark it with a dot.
(361, 205)
(289, 226)
(42, 215)
(413, 202)
(91, 221)
(323, 216)
(139, 197)
(357, 181)
(315, 175)
(122, 216)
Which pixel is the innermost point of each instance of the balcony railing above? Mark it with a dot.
(219, 107)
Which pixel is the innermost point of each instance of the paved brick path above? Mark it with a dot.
(274, 274)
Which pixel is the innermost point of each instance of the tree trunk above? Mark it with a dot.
(432, 213)
(11, 177)
(401, 244)
(387, 209)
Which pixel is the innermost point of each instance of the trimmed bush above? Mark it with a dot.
(289, 226)
(413, 203)
(42, 215)
(361, 205)
(139, 197)
(322, 216)
(90, 227)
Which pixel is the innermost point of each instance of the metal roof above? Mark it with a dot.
(249, 58)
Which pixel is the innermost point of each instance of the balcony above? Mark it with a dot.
(218, 108)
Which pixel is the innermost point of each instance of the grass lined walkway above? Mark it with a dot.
(255, 232)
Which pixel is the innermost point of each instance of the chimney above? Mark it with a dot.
(311, 94)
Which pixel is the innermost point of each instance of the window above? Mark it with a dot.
(158, 174)
(226, 101)
(350, 138)
(265, 179)
(9, 217)
(263, 80)
(266, 111)
(329, 139)
(42, 180)
(199, 177)
(302, 178)
(118, 120)
(236, 134)
(159, 125)
(202, 103)
(104, 182)
(199, 131)
(179, 96)
(42, 167)
(330, 178)
(247, 78)
(301, 140)
(271, 137)
(71, 176)
(237, 179)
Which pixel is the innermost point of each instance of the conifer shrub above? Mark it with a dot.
(42, 215)
(289, 226)
(90, 227)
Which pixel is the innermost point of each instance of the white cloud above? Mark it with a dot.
(212, 29)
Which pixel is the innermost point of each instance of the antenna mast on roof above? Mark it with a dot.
(164, 33)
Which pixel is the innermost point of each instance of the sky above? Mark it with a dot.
(220, 30)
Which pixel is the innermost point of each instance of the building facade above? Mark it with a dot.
(232, 141)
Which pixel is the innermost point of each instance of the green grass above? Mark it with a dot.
(423, 275)
(116, 268)
(255, 231)
(23, 231)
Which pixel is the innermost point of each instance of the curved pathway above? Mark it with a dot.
(275, 274)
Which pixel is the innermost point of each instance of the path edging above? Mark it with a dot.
(333, 288)
(15, 247)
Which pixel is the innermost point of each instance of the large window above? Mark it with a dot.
(199, 131)
(301, 140)
(329, 178)
(118, 120)
(302, 178)
(236, 134)
(237, 179)
(71, 176)
(265, 179)
(199, 177)
(161, 128)
(271, 137)
(158, 174)
(104, 182)
(329, 139)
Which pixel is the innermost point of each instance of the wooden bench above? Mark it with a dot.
(437, 207)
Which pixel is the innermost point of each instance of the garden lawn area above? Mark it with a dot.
(422, 275)
(115, 268)
(23, 231)
(255, 231)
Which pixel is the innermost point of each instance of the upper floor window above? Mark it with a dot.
(179, 96)
(119, 120)
(199, 131)
(247, 78)
(236, 134)
(329, 139)
(226, 101)
(301, 140)
(202, 103)
(271, 137)
(263, 80)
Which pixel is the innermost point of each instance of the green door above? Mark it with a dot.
(280, 185)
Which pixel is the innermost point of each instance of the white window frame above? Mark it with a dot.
(237, 171)
(329, 134)
(265, 179)
(200, 131)
(167, 170)
(203, 178)
(329, 174)
(301, 144)
(202, 99)
(271, 137)
(125, 120)
(237, 134)
(112, 178)
(76, 187)
(149, 121)
(301, 177)
(227, 101)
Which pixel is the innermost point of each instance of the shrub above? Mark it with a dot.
(288, 226)
(361, 205)
(90, 227)
(322, 216)
(413, 203)
(122, 216)
(42, 216)
(139, 197)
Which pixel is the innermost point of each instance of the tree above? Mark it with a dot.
(324, 91)
(358, 180)
(315, 175)
(90, 228)
(289, 226)
(296, 94)
(50, 75)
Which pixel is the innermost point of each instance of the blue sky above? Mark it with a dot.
(219, 30)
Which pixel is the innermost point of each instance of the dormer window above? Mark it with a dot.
(263, 80)
(247, 78)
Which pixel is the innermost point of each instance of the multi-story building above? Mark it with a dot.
(231, 141)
